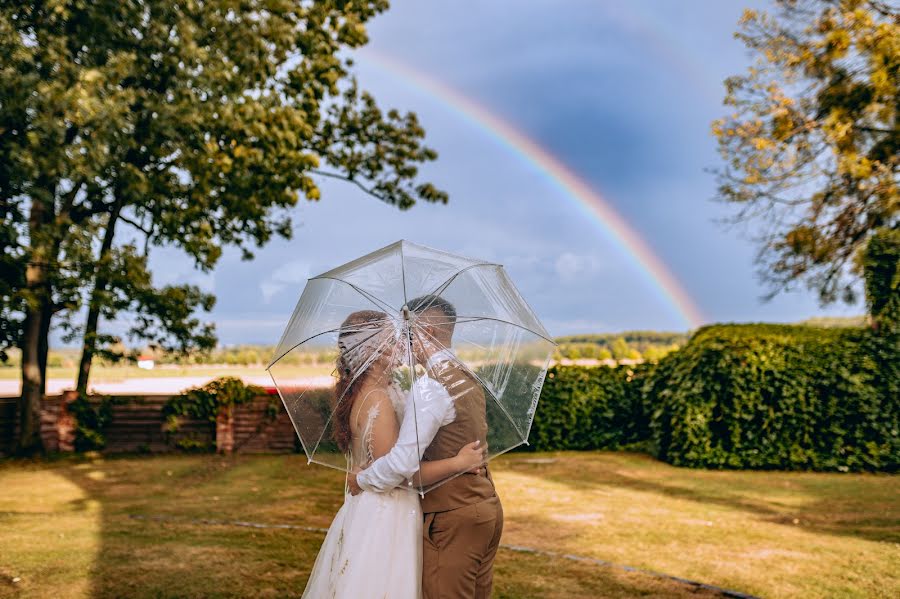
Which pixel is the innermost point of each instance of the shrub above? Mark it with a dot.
(778, 396)
(203, 403)
(589, 408)
(881, 262)
(91, 419)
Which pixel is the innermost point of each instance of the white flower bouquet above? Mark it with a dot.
(403, 378)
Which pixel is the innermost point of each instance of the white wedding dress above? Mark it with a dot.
(373, 548)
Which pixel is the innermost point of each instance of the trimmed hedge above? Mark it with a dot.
(778, 396)
(596, 407)
(739, 396)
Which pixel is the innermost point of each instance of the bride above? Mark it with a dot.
(374, 545)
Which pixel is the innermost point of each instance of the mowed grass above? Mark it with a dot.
(67, 527)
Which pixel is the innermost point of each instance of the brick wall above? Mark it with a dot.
(137, 425)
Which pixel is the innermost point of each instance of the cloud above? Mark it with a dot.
(578, 326)
(570, 267)
(289, 273)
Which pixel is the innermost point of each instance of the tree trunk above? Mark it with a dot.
(29, 409)
(89, 343)
(38, 313)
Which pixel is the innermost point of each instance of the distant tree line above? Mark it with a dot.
(630, 345)
(648, 346)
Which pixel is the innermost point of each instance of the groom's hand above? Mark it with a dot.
(352, 483)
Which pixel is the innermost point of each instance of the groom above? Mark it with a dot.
(463, 516)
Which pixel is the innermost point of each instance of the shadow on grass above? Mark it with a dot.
(140, 558)
(864, 506)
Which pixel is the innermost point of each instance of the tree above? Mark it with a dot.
(189, 124)
(811, 147)
(881, 265)
(620, 349)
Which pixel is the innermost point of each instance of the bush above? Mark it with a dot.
(596, 407)
(203, 403)
(778, 396)
(881, 262)
(91, 420)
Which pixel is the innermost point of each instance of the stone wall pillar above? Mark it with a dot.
(225, 430)
(65, 422)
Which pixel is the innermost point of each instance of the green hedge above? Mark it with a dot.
(778, 396)
(739, 396)
(596, 407)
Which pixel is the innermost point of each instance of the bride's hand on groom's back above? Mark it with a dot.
(471, 457)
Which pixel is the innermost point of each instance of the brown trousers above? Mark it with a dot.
(459, 549)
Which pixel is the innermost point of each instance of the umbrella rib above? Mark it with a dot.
(512, 324)
(403, 273)
(294, 424)
(469, 319)
(535, 398)
(379, 303)
(440, 288)
(292, 348)
(410, 358)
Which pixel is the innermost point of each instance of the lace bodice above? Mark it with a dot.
(361, 453)
(362, 447)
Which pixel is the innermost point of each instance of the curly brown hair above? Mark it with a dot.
(344, 389)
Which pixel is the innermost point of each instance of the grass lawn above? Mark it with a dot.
(66, 527)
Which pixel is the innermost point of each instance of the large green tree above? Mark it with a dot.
(812, 147)
(195, 124)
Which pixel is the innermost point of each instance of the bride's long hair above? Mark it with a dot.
(350, 358)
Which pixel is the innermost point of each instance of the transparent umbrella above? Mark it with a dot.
(394, 317)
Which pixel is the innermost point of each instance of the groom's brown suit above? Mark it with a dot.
(463, 517)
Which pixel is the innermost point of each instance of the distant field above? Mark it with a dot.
(124, 380)
(120, 373)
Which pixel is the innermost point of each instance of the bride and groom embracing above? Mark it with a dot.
(385, 541)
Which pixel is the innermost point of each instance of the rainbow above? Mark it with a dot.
(559, 176)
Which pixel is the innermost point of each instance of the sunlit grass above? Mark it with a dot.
(66, 528)
(50, 531)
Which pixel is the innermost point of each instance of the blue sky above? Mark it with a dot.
(623, 97)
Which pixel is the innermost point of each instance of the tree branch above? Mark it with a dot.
(137, 226)
(370, 191)
(876, 130)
